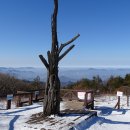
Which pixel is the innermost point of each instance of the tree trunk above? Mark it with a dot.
(52, 93)
(52, 89)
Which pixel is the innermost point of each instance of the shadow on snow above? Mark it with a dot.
(23, 109)
(11, 124)
(105, 111)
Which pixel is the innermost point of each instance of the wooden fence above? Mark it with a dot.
(81, 95)
(34, 96)
(23, 97)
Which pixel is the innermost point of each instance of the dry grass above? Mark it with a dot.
(74, 104)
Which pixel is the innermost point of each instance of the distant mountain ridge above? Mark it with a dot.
(66, 74)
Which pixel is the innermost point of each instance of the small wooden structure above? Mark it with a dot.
(89, 99)
(30, 97)
(126, 91)
(20, 94)
(81, 95)
(30, 94)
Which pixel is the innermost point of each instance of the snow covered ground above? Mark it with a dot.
(108, 118)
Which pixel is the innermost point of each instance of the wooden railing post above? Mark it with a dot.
(30, 98)
(19, 101)
(92, 101)
(36, 96)
(85, 100)
(118, 102)
(8, 104)
(127, 100)
(89, 100)
(9, 98)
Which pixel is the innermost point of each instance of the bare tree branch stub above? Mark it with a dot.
(44, 61)
(66, 52)
(67, 43)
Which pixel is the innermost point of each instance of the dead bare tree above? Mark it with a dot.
(52, 89)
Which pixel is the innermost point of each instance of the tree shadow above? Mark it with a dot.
(22, 109)
(100, 120)
(11, 124)
(105, 111)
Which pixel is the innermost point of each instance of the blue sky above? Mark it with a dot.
(104, 26)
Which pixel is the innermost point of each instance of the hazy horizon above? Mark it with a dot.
(100, 67)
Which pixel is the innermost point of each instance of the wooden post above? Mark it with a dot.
(92, 96)
(89, 100)
(9, 98)
(85, 100)
(30, 98)
(8, 104)
(36, 98)
(118, 102)
(19, 101)
(36, 95)
(127, 100)
(119, 94)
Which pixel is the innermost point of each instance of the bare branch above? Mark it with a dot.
(55, 45)
(66, 52)
(44, 61)
(72, 39)
(60, 48)
(67, 43)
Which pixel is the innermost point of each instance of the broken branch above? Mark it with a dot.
(44, 61)
(67, 43)
(66, 52)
